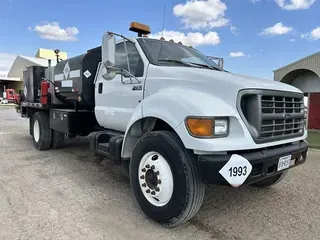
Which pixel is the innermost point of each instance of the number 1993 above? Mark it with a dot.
(238, 171)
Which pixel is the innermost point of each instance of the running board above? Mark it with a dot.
(107, 143)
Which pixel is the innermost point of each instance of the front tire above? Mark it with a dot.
(165, 179)
(41, 131)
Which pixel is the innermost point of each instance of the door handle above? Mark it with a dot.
(100, 88)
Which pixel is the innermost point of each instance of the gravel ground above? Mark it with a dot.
(65, 194)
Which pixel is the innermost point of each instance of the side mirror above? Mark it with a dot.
(109, 49)
(108, 52)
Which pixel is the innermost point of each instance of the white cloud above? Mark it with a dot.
(277, 29)
(236, 54)
(295, 4)
(313, 35)
(52, 31)
(6, 61)
(202, 14)
(234, 30)
(292, 40)
(191, 38)
(254, 1)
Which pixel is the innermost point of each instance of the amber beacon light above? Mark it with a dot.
(139, 28)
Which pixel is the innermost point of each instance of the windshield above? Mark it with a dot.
(169, 53)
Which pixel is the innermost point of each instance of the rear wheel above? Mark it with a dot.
(165, 179)
(270, 181)
(41, 131)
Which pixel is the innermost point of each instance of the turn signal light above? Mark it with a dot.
(200, 127)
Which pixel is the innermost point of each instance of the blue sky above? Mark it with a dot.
(254, 37)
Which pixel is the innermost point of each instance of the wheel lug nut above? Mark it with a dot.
(159, 181)
(157, 172)
(148, 191)
(143, 170)
(142, 177)
(147, 166)
(154, 157)
(153, 167)
(144, 185)
(153, 193)
(157, 189)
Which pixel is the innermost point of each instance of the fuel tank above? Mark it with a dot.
(74, 79)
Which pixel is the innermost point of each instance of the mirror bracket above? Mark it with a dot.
(122, 72)
(130, 76)
(110, 72)
(119, 35)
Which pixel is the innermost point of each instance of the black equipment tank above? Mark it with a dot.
(32, 78)
(74, 79)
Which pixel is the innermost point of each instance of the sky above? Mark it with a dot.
(254, 37)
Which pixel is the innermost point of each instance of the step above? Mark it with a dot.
(104, 147)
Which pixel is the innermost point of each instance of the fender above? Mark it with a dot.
(174, 104)
(171, 105)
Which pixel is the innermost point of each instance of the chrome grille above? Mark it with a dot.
(281, 116)
(274, 104)
(272, 115)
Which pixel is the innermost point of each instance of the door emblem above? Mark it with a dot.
(137, 88)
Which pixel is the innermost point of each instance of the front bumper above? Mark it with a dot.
(264, 162)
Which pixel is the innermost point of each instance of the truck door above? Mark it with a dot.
(116, 100)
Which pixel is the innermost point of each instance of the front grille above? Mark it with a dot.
(272, 115)
(270, 128)
(276, 116)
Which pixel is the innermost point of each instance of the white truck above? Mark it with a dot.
(175, 118)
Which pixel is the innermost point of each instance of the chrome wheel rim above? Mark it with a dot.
(155, 179)
(36, 130)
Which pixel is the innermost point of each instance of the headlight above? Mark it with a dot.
(221, 127)
(207, 127)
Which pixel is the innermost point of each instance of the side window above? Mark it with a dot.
(135, 61)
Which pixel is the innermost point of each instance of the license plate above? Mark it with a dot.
(284, 162)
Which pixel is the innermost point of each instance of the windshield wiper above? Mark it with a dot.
(190, 64)
(177, 61)
(206, 66)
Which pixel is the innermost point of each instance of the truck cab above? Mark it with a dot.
(10, 96)
(175, 117)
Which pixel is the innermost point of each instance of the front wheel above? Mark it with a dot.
(165, 179)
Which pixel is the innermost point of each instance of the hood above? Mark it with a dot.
(220, 80)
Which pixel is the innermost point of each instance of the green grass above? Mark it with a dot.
(314, 139)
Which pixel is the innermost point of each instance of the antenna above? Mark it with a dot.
(164, 16)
